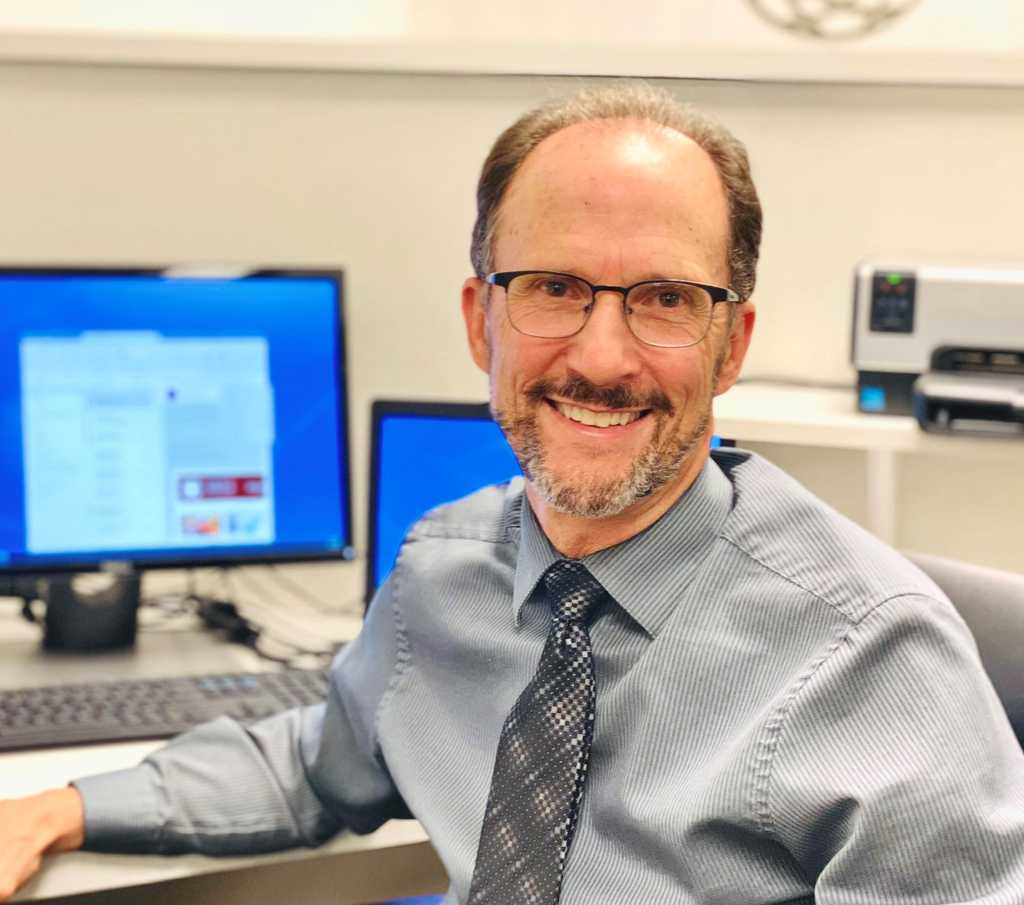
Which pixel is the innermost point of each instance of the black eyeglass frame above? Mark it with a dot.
(718, 294)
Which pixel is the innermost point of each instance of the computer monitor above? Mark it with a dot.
(424, 454)
(171, 417)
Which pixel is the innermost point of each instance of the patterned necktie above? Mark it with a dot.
(542, 757)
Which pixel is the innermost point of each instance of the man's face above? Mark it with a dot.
(615, 202)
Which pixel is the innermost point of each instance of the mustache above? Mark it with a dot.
(581, 390)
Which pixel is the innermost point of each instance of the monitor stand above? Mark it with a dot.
(98, 620)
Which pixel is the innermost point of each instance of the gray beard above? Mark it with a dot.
(588, 498)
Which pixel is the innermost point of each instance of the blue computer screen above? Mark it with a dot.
(155, 418)
(424, 461)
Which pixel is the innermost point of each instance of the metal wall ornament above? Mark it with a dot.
(832, 20)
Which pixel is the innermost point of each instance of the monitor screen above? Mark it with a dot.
(161, 418)
(424, 454)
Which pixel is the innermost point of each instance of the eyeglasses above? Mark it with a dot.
(671, 314)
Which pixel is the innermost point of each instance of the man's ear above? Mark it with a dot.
(474, 312)
(736, 347)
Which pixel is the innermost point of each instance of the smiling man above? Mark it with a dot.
(645, 674)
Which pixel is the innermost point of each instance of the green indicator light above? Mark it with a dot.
(894, 279)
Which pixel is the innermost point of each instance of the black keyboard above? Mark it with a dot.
(147, 708)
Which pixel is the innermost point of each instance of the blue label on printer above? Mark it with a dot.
(872, 399)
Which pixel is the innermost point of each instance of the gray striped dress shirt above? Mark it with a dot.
(787, 711)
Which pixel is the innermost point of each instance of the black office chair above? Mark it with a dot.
(991, 602)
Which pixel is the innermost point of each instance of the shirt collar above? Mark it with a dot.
(645, 573)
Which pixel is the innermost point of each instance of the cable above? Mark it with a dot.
(292, 586)
(28, 613)
(351, 607)
(169, 606)
(23, 588)
(291, 619)
(225, 615)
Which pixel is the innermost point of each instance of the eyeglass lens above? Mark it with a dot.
(552, 306)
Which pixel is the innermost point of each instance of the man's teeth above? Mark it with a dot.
(596, 419)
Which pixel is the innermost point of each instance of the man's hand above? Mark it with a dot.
(31, 827)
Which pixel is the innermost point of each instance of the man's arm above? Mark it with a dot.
(223, 788)
(895, 776)
(293, 779)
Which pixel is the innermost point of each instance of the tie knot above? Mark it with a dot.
(572, 590)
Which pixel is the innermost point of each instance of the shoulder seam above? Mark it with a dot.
(425, 528)
(403, 654)
(789, 579)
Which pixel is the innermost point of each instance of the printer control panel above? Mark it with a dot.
(892, 302)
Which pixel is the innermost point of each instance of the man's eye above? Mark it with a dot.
(555, 288)
(670, 299)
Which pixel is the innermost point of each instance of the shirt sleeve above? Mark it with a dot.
(895, 776)
(293, 779)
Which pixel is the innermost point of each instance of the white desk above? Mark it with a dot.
(395, 861)
(828, 419)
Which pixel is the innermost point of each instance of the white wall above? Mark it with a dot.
(376, 173)
(952, 25)
(915, 41)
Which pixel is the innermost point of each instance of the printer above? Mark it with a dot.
(942, 343)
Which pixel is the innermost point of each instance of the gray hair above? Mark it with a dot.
(627, 100)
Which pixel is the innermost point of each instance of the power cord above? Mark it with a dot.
(297, 590)
(304, 594)
(23, 588)
(223, 616)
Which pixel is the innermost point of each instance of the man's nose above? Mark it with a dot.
(605, 350)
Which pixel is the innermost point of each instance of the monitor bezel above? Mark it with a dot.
(237, 556)
(413, 408)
